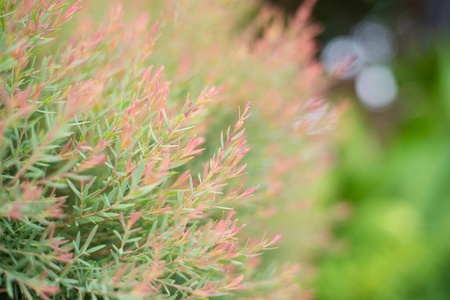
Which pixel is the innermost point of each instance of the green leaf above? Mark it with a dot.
(95, 249)
(7, 64)
(108, 214)
(137, 175)
(9, 287)
(93, 219)
(78, 239)
(117, 234)
(89, 238)
(58, 185)
(124, 206)
(73, 188)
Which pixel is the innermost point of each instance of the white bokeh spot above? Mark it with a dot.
(376, 87)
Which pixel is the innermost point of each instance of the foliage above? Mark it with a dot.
(93, 201)
(105, 191)
(262, 55)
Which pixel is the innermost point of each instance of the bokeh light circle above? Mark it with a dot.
(376, 87)
(341, 58)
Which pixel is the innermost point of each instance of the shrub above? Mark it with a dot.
(254, 52)
(97, 199)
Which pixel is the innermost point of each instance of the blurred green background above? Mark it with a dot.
(392, 170)
(392, 167)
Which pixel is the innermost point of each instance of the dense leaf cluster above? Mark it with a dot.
(95, 196)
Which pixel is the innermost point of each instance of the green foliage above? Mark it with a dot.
(259, 54)
(95, 197)
(105, 193)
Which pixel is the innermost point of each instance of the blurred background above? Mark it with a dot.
(364, 206)
(392, 148)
